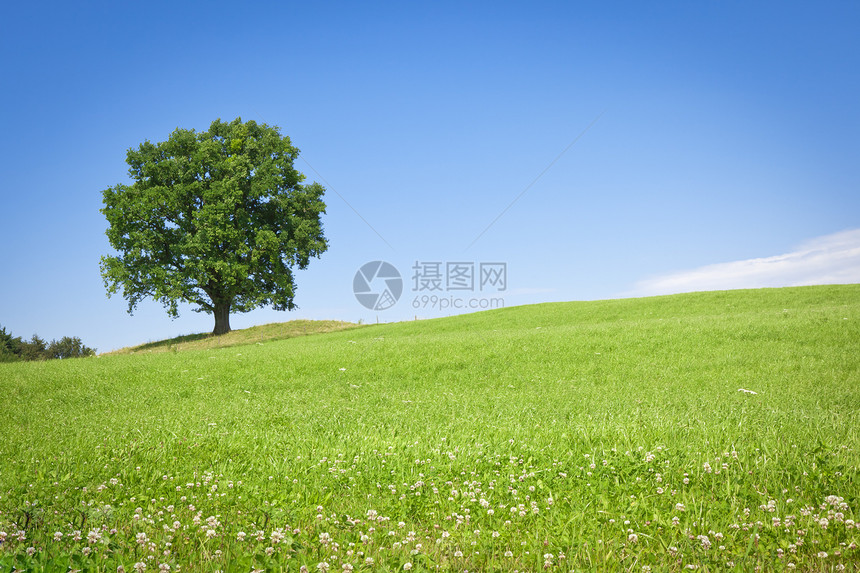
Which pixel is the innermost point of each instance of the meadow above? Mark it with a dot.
(708, 431)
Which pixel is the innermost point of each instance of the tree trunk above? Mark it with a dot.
(222, 317)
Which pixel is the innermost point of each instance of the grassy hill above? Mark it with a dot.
(253, 335)
(705, 430)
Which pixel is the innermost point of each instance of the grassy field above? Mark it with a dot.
(701, 431)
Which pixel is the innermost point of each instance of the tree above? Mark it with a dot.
(68, 347)
(37, 349)
(10, 346)
(218, 219)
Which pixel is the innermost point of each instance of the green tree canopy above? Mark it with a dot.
(218, 219)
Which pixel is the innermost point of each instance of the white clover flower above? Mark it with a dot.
(632, 538)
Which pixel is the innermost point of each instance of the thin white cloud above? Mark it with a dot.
(831, 259)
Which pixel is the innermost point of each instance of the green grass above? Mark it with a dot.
(605, 435)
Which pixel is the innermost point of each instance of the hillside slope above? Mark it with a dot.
(616, 433)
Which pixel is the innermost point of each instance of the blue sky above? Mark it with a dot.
(715, 144)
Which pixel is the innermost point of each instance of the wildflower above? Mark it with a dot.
(164, 568)
(322, 566)
(141, 539)
(58, 535)
(407, 566)
(270, 550)
(822, 555)
(458, 553)
(509, 554)
(240, 536)
(277, 536)
(369, 561)
(347, 567)
(94, 536)
(680, 507)
(632, 538)
(140, 567)
(31, 551)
